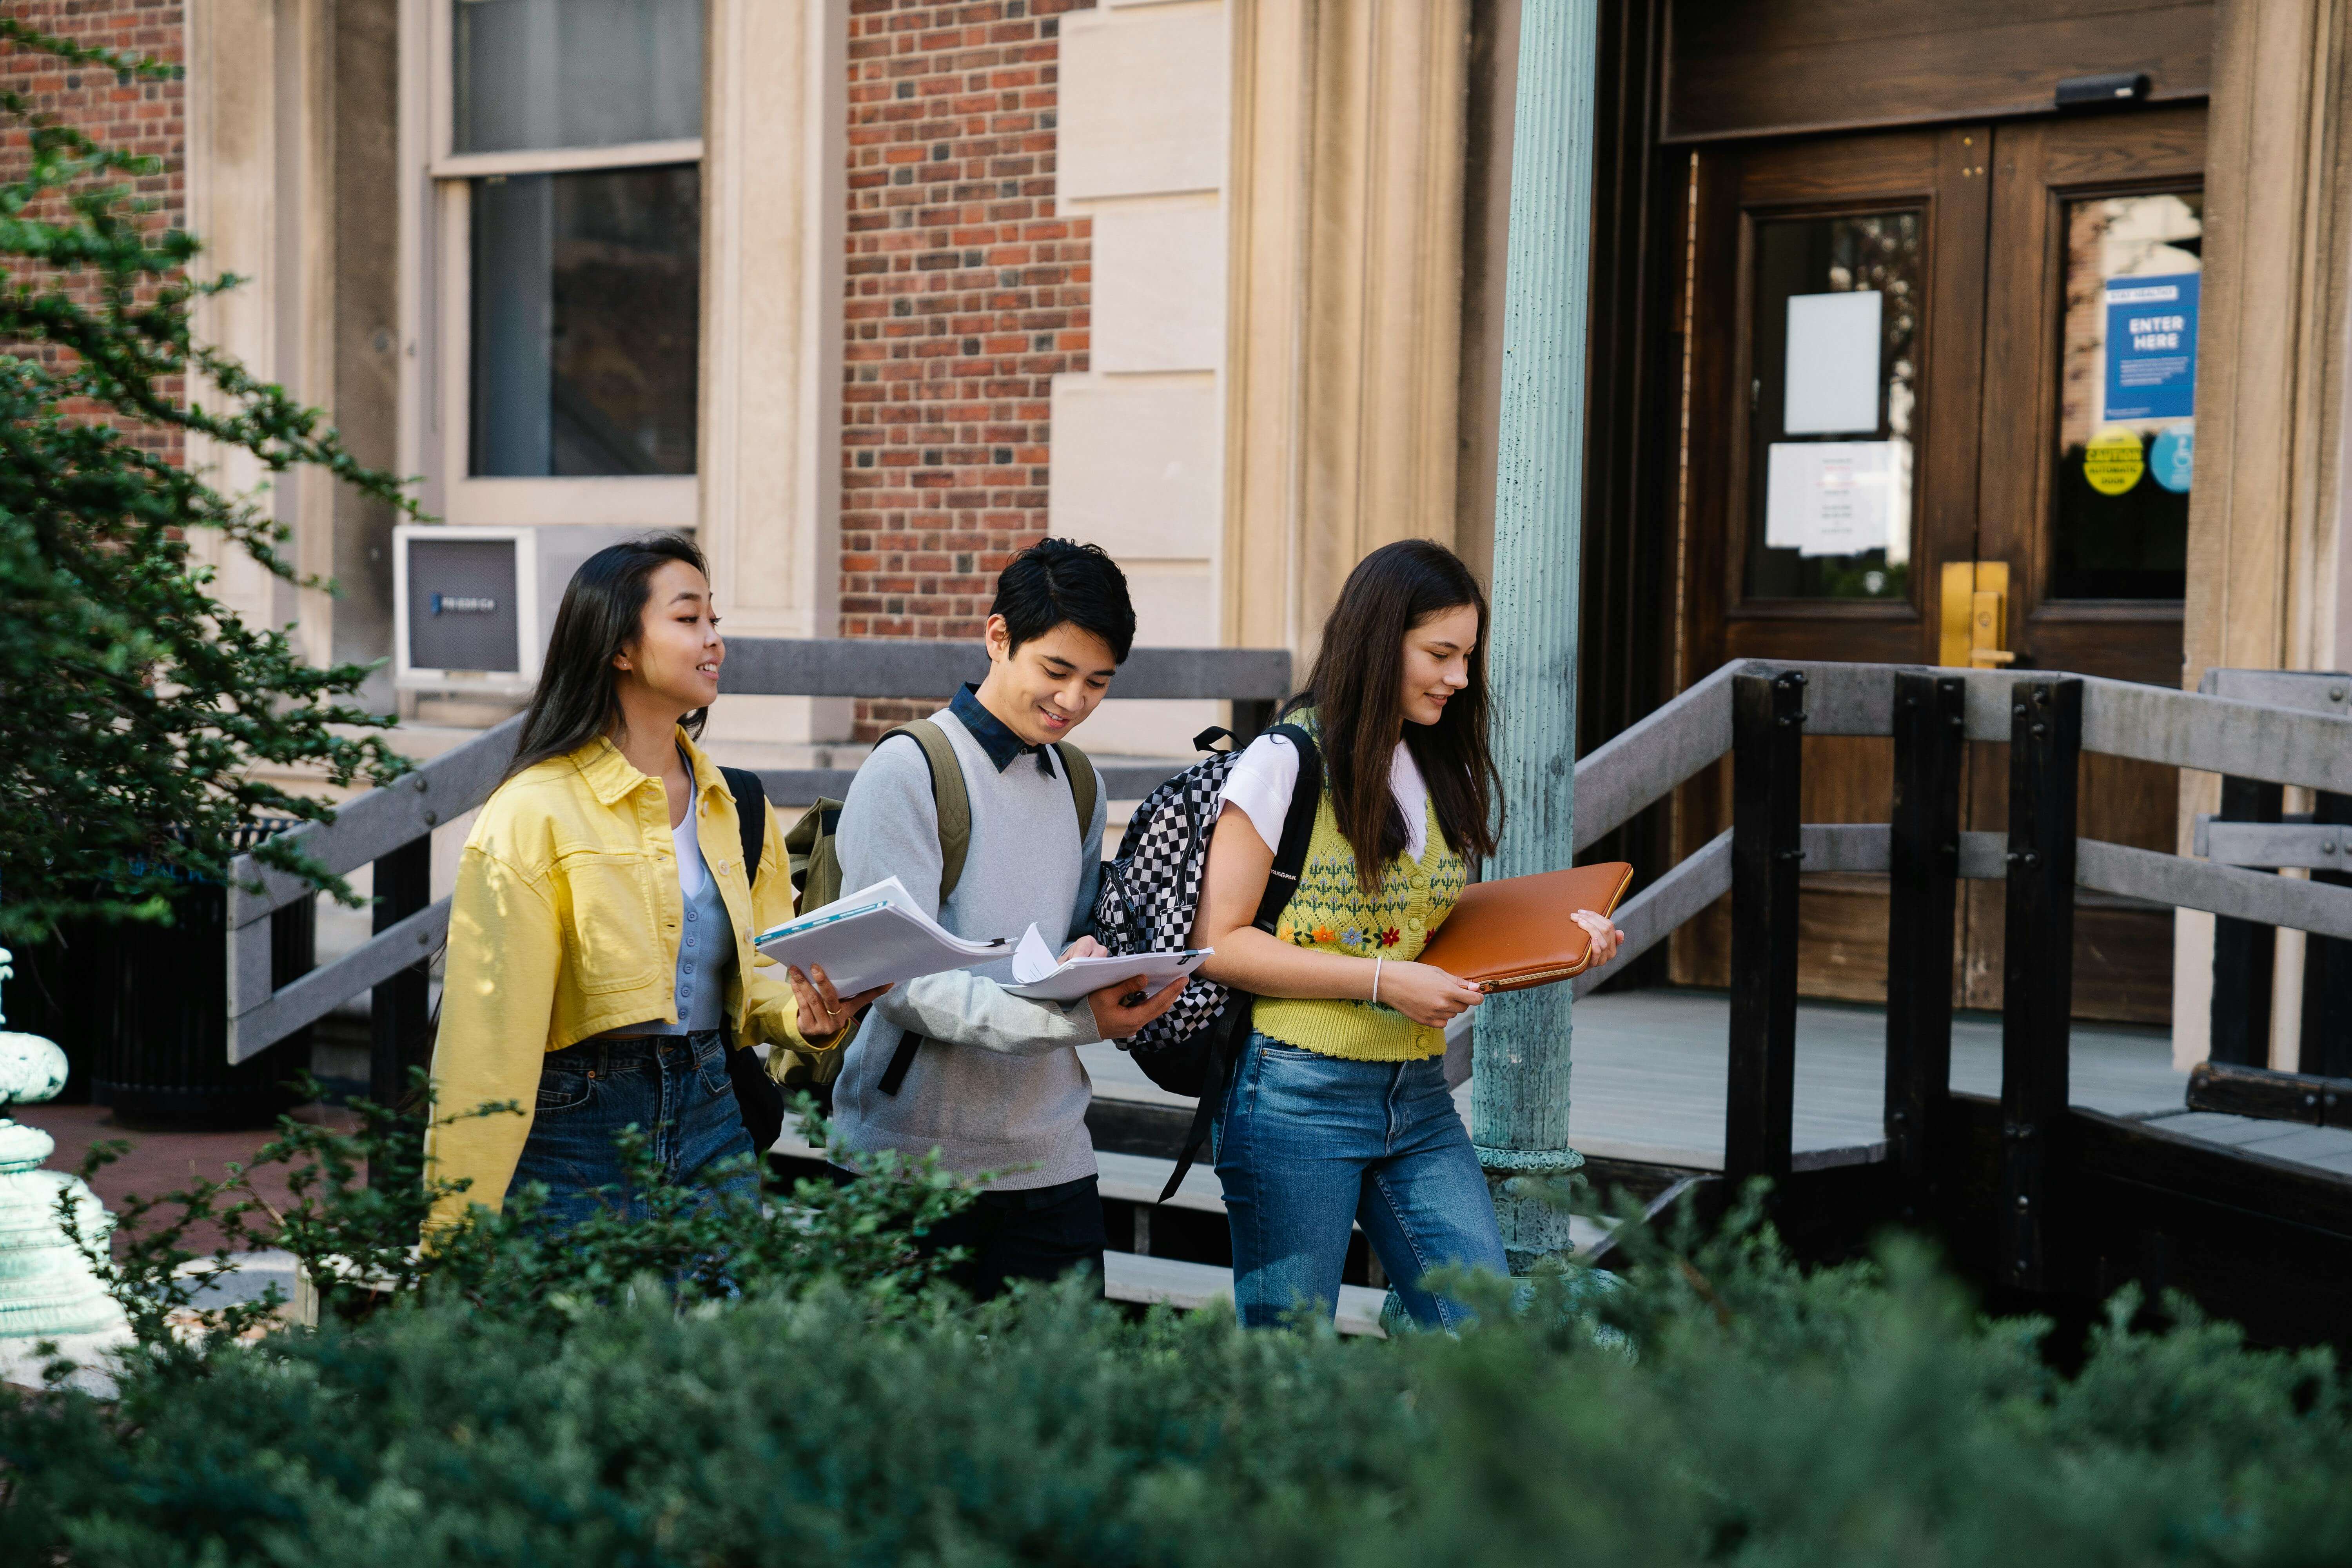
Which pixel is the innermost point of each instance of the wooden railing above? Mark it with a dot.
(1756, 711)
(1760, 712)
(393, 827)
(2253, 829)
(1996, 1175)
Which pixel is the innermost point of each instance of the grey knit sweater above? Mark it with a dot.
(1000, 1087)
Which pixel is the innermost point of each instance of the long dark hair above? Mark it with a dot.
(1358, 693)
(578, 697)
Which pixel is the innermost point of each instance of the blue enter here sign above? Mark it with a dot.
(2152, 347)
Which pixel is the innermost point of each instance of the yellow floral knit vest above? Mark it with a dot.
(1331, 913)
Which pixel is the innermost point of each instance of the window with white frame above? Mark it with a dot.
(569, 190)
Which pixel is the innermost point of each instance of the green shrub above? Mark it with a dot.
(360, 1200)
(1718, 1404)
(140, 717)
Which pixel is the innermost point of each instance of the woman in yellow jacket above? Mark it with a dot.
(600, 941)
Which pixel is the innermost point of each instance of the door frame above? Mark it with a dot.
(1737, 187)
(1974, 264)
(2042, 165)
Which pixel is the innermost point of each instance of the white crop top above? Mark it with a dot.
(1261, 782)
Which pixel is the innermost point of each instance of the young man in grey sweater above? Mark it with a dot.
(996, 1085)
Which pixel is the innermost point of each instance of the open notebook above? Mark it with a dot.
(880, 936)
(875, 936)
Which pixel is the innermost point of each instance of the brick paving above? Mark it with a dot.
(163, 1162)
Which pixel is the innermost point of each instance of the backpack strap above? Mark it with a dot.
(758, 1100)
(954, 799)
(1298, 828)
(751, 816)
(949, 793)
(1079, 769)
(1231, 1026)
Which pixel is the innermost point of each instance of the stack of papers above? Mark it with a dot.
(875, 936)
(880, 936)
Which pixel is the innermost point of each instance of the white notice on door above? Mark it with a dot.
(1833, 381)
(1839, 498)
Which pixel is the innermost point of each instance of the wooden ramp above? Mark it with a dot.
(1647, 1086)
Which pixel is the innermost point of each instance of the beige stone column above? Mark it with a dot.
(1140, 171)
(261, 159)
(1344, 325)
(2266, 571)
(774, 124)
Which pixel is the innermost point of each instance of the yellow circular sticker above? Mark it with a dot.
(2113, 460)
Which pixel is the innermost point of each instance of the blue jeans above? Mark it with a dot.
(674, 1088)
(1308, 1144)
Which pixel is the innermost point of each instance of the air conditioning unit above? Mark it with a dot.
(473, 606)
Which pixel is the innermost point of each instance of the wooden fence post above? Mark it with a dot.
(1924, 849)
(2243, 951)
(2326, 1047)
(1768, 720)
(398, 1006)
(2045, 747)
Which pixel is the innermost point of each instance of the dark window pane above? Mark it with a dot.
(2126, 421)
(587, 302)
(576, 73)
(1834, 352)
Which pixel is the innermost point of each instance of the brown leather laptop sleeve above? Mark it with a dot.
(1516, 933)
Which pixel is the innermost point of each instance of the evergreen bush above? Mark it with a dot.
(827, 1401)
(134, 705)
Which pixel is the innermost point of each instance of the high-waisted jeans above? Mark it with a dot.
(672, 1088)
(1307, 1143)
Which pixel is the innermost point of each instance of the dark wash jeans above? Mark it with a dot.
(675, 1088)
(1038, 1233)
(1308, 1144)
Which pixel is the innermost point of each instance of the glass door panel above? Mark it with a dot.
(1834, 370)
(2126, 382)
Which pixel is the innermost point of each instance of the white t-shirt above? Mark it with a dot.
(1263, 781)
(691, 872)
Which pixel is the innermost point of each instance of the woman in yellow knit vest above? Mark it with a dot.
(1338, 1111)
(601, 964)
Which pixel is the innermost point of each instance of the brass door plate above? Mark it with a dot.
(1974, 616)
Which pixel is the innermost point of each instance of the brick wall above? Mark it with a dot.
(145, 116)
(966, 295)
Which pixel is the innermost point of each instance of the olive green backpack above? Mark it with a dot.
(816, 868)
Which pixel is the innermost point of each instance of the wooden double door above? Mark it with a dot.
(1926, 367)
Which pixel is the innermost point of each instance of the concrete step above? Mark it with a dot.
(1128, 1277)
(1139, 1179)
(1190, 1287)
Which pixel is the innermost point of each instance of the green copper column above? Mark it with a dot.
(1519, 1097)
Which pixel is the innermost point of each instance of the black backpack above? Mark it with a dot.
(757, 1096)
(1150, 894)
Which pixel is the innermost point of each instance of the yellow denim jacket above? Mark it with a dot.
(566, 925)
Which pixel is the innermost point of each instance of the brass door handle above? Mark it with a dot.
(1975, 615)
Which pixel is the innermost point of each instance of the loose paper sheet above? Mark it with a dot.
(1039, 976)
(1833, 380)
(1839, 498)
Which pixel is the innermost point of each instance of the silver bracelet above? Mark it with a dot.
(1375, 977)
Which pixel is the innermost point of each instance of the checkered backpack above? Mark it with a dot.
(1150, 894)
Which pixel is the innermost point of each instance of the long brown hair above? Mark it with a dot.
(579, 693)
(1358, 693)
